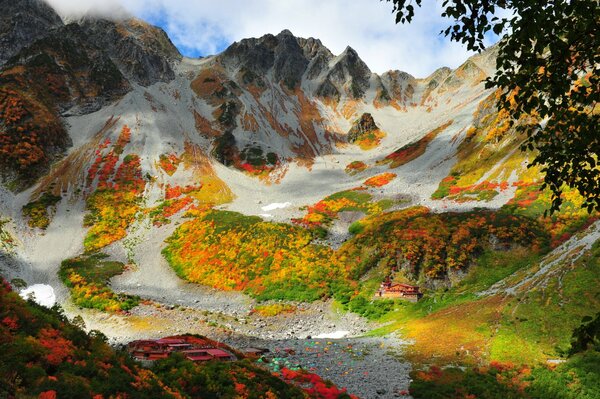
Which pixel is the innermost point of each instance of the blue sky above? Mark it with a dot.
(205, 27)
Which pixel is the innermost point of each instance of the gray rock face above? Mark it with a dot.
(142, 52)
(313, 47)
(22, 22)
(283, 54)
(318, 64)
(349, 74)
(292, 59)
(288, 57)
(365, 124)
(395, 86)
(90, 79)
(253, 55)
(437, 77)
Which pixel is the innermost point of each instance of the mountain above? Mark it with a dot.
(52, 70)
(22, 23)
(96, 106)
(276, 171)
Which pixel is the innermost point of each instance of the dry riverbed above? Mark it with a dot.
(367, 367)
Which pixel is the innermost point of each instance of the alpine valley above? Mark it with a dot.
(275, 196)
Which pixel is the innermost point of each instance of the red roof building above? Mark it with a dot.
(399, 290)
(162, 348)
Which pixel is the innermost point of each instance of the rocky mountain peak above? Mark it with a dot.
(143, 53)
(439, 75)
(348, 75)
(313, 47)
(287, 56)
(22, 22)
(291, 59)
(349, 51)
(285, 32)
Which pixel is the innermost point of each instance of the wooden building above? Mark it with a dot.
(399, 291)
(151, 350)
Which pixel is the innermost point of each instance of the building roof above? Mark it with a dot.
(170, 341)
(218, 352)
(194, 351)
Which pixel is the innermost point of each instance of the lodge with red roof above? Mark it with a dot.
(391, 290)
(155, 349)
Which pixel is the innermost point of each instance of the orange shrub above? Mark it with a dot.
(380, 180)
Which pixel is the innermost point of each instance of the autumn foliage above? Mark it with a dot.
(87, 277)
(38, 212)
(429, 244)
(370, 140)
(29, 131)
(414, 150)
(324, 212)
(314, 385)
(355, 167)
(45, 356)
(231, 251)
(380, 180)
(169, 163)
(116, 200)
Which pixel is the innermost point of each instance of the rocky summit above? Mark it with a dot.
(281, 202)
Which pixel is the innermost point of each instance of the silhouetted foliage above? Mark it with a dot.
(548, 66)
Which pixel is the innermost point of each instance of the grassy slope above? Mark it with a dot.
(578, 378)
(458, 326)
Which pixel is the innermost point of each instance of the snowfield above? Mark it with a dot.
(42, 294)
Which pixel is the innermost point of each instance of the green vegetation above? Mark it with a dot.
(37, 211)
(322, 214)
(578, 378)
(543, 320)
(223, 379)
(587, 335)
(493, 265)
(6, 240)
(228, 250)
(43, 355)
(429, 246)
(533, 324)
(560, 68)
(87, 278)
(356, 227)
(367, 307)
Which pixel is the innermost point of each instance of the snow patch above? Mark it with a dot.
(333, 335)
(276, 205)
(42, 294)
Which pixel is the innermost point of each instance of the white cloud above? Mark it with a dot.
(207, 26)
(78, 8)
